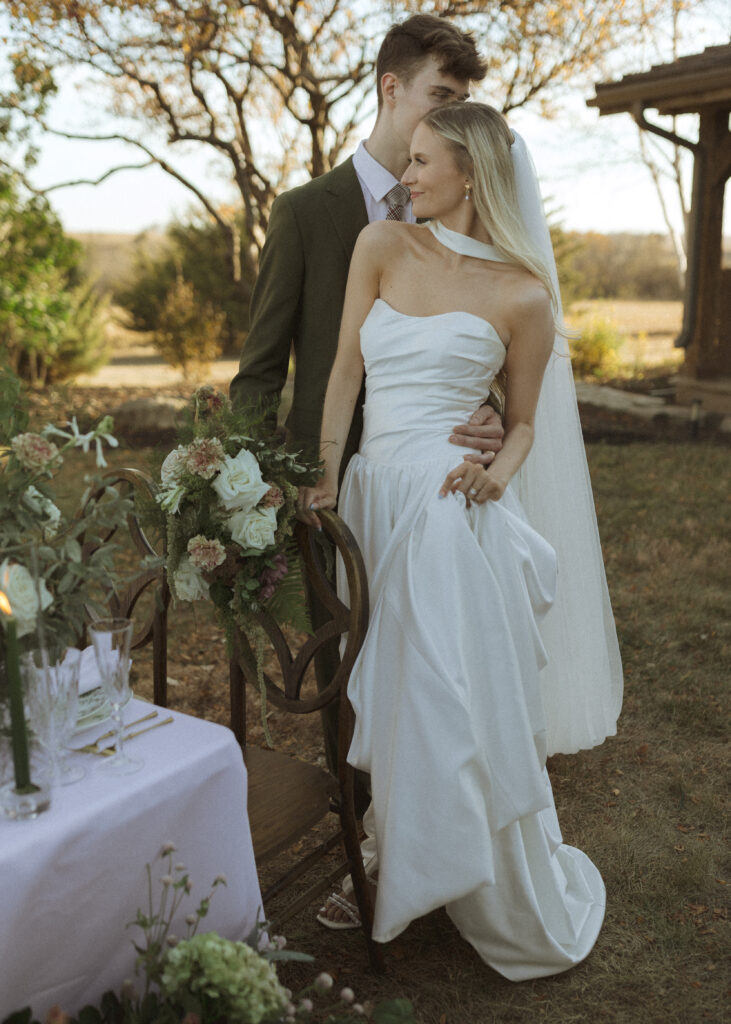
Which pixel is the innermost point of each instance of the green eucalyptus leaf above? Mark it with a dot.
(394, 1011)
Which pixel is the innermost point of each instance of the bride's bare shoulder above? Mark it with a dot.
(388, 236)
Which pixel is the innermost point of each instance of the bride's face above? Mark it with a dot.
(436, 183)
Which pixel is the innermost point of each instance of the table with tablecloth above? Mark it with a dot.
(73, 879)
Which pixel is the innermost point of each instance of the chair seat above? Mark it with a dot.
(286, 798)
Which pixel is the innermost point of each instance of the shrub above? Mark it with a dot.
(594, 351)
(199, 253)
(189, 332)
(51, 325)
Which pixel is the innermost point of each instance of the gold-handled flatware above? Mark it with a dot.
(93, 748)
(110, 751)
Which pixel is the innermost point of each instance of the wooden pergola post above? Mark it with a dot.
(699, 84)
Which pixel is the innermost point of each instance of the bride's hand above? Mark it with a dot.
(475, 482)
(310, 499)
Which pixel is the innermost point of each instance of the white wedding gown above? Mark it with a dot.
(449, 715)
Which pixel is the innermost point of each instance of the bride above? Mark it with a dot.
(464, 682)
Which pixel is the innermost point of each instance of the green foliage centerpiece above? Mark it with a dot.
(47, 587)
(42, 569)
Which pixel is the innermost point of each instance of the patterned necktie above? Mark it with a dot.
(397, 198)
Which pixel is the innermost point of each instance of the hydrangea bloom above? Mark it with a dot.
(231, 979)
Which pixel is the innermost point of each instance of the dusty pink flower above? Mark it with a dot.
(204, 457)
(272, 499)
(208, 398)
(271, 576)
(56, 1016)
(191, 1018)
(206, 554)
(33, 451)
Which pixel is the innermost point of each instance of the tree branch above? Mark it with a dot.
(98, 181)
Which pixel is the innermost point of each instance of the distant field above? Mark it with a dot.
(632, 315)
(651, 328)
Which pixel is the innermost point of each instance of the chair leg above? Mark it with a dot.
(362, 890)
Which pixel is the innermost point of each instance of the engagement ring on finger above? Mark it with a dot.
(312, 506)
(473, 492)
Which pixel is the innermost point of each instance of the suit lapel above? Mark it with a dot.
(345, 204)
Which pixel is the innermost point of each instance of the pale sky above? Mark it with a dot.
(589, 169)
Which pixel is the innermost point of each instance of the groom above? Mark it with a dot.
(297, 301)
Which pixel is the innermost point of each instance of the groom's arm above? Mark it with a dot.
(483, 433)
(274, 309)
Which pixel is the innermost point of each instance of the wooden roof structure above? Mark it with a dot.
(681, 87)
(698, 84)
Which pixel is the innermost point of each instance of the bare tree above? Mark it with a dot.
(271, 87)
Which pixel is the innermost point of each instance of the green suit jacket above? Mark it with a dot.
(297, 302)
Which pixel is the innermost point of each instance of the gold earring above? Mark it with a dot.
(467, 193)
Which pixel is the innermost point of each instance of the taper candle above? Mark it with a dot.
(18, 732)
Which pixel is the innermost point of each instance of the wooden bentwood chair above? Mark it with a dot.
(287, 797)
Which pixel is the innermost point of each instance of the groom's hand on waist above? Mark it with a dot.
(483, 432)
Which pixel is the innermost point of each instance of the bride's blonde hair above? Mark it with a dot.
(480, 140)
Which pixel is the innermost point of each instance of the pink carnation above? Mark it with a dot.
(33, 451)
(206, 554)
(204, 457)
(272, 499)
(271, 576)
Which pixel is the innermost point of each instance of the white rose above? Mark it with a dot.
(40, 505)
(239, 484)
(254, 529)
(188, 584)
(20, 589)
(172, 466)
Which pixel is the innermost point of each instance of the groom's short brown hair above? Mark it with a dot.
(407, 44)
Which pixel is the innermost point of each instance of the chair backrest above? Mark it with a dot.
(351, 621)
(151, 625)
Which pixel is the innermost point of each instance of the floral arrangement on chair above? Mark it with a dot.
(42, 572)
(229, 500)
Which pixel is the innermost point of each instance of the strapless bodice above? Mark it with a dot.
(424, 375)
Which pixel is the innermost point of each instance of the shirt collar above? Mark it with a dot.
(374, 176)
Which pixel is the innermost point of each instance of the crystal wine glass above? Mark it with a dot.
(53, 698)
(111, 639)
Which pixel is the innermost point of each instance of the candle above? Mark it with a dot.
(18, 731)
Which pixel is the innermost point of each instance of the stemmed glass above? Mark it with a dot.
(111, 639)
(53, 699)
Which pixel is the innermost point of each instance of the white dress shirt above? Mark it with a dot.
(375, 182)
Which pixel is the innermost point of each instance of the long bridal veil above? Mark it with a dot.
(582, 683)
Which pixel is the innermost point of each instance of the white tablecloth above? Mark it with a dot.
(72, 879)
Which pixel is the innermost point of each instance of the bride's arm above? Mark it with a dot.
(346, 375)
(531, 340)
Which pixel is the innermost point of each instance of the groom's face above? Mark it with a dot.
(427, 89)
